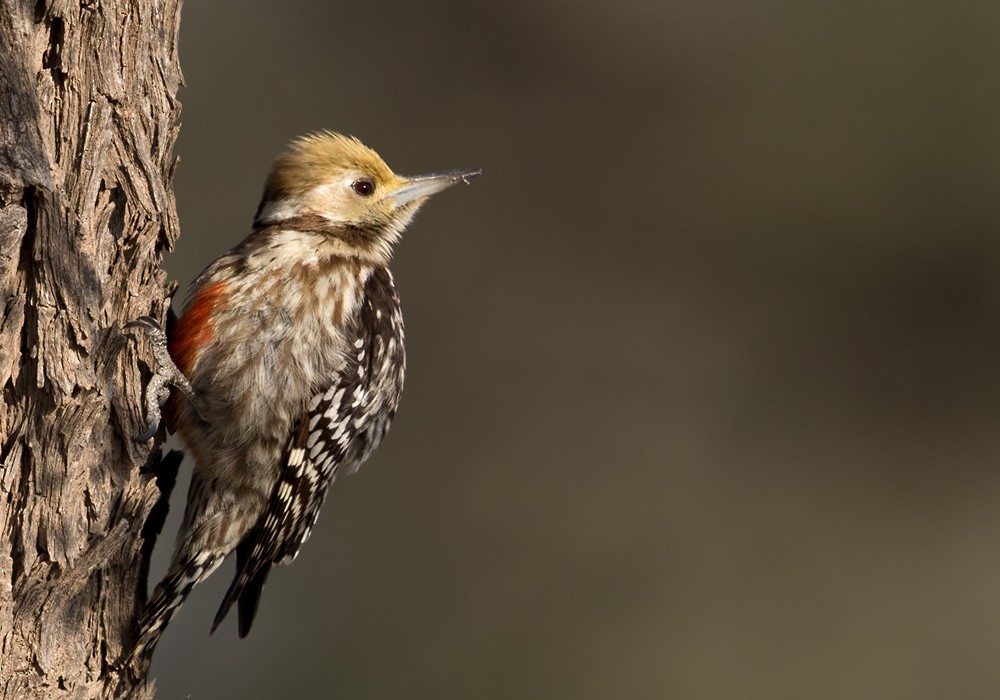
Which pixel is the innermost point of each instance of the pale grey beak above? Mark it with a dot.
(426, 185)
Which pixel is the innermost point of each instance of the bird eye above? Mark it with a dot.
(364, 187)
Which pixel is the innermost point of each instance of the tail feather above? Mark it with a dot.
(167, 599)
(247, 586)
(250, 599)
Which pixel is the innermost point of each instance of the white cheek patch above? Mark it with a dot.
(331, 200)
(280, 210)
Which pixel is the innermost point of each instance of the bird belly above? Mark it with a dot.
(265, 362)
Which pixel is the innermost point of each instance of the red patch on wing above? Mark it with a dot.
(195, 328)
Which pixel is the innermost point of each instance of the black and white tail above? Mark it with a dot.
(167, 599)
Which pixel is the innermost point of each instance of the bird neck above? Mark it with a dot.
(314, 237)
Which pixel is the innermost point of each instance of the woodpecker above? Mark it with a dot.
(289, 360)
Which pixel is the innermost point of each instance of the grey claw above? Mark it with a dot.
(146, 323)
(164, 373)
(148, 433)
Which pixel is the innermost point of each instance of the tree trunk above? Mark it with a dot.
(88, 119)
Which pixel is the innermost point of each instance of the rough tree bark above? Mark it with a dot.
(88, 119)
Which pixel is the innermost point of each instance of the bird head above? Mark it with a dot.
(340, 189)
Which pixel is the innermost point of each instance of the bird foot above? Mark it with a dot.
(165, 375)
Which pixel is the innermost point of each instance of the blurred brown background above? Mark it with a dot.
(703, 385)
